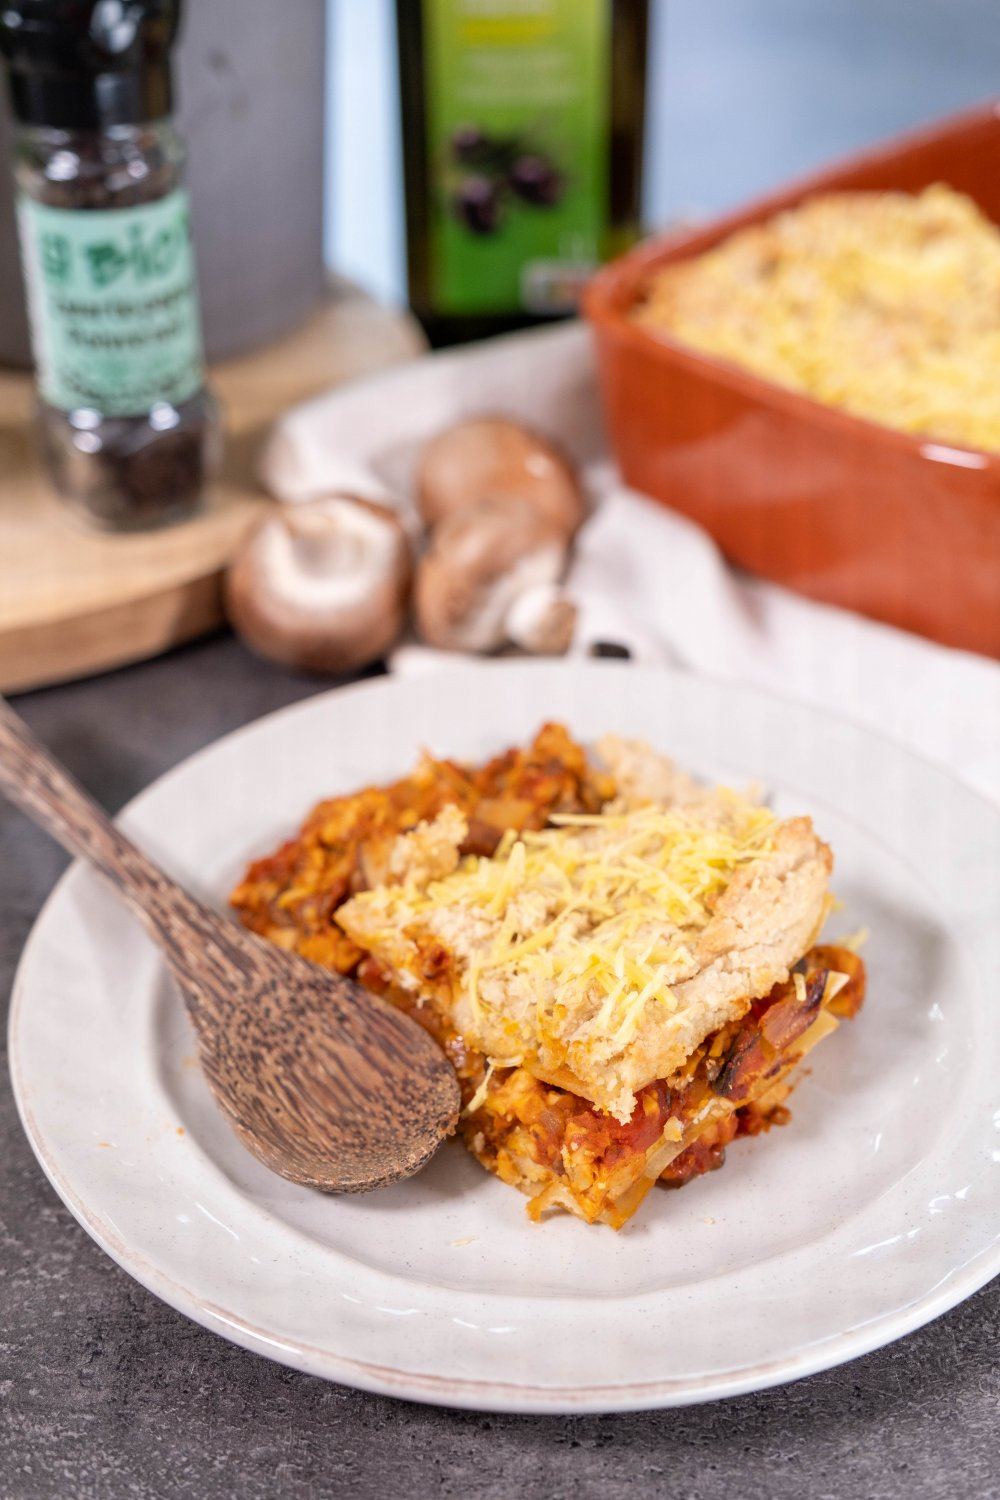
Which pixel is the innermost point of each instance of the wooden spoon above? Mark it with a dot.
(327, 1084)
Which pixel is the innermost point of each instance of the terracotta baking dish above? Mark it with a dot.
(898, 527)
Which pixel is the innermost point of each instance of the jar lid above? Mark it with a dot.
(79, 64)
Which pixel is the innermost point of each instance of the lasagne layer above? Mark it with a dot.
(563, 1153)
(533, 1127)
(599, 953)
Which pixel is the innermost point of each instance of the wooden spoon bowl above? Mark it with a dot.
(327, 1084)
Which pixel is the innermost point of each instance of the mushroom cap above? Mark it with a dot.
(492, 455)
(321, 586)
(480, 560)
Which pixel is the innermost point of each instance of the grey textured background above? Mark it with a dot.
(105, 1392)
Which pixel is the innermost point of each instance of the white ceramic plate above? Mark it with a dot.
(872, 1212)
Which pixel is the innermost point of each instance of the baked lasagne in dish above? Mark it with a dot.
(621, 963)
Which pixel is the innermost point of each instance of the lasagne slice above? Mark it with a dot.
(599, 953)
(619, 962)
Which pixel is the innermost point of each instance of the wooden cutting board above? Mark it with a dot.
(75, 601)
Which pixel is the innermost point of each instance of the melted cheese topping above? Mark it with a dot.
(595, 918)
(885, 304)
(624, 897)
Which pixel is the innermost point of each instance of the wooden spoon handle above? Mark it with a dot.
(35, 781)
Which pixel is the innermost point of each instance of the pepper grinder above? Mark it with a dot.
(129, 430)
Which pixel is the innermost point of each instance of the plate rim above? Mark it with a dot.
(464, 1391)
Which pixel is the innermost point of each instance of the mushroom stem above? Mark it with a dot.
(542, 620)
(479, 563)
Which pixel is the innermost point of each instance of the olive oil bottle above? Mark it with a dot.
(522, 150)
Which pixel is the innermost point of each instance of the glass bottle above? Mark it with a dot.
(522, 154)
(129, 430)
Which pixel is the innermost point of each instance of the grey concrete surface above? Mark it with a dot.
(107, 1394)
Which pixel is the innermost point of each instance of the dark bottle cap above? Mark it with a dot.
(81, 64)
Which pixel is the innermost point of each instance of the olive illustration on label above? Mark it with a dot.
(496, 170)
(535, 179)
(476, 203)
(469, 145)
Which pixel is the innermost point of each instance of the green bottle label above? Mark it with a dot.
(113, 304)
(518, 126)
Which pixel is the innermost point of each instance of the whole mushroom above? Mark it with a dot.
(481, 563)
(492, 455)
(322, 586)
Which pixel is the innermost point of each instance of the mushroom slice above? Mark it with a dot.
(495, 456)
(480, 562)
(322, 586)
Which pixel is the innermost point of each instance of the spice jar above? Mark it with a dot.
(129, 430)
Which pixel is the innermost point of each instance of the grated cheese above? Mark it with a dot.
(619, 893)
(884, 303)
(603, 948)
(492, 1063)
(479, 1097)
(835, 982)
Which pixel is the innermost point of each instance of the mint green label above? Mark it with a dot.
(113, 304)
(518, 150)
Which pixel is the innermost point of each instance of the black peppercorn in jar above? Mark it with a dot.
(129, 430)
